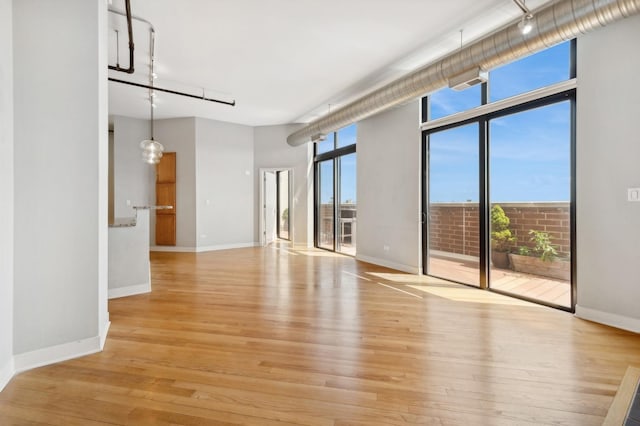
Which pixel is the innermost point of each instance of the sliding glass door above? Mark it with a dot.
(346, 224)
(453, 237)
(530, 193)
(325, 205)
(335, 188)
(498, 180)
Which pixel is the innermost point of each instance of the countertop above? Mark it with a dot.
(127, 222)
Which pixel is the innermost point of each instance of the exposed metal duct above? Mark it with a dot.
(558, 22)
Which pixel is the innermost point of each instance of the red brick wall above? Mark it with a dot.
(451, 233)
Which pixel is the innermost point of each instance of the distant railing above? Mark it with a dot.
(346, 224)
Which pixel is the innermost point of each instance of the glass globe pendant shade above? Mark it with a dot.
(151, 151)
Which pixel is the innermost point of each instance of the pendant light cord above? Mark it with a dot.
(151, 77)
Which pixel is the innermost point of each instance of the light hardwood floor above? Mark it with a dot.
(275, 336)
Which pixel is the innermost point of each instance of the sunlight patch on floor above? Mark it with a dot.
(356, 275)
(409, 278)
(468, 294)
(318, 253)
(287, 250)
(400, 290)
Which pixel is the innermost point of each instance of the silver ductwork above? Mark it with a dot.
(563, 20)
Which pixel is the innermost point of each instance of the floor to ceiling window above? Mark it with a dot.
(498, 190)
(335, 189)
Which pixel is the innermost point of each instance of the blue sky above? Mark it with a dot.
(529, 151)
(346, 136)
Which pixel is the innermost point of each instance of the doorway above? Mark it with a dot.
(276, 205)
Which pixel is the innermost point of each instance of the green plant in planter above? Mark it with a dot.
(542, 245)
(501, 237)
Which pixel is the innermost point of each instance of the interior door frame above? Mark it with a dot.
(262, 206)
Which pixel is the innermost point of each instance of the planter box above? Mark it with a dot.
(558, 269)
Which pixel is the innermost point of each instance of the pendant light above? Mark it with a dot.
(151, 150)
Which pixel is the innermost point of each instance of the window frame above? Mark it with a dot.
(334, 156)
(556, 93)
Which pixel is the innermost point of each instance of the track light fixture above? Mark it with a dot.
(526, 23)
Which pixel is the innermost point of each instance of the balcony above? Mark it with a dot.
(454, 248)
(346, 240)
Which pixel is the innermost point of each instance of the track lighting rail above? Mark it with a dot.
(173, 92)
(523, 7)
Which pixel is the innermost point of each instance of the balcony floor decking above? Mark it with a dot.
(547, 290)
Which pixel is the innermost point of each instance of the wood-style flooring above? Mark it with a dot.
(536, 287)
(277, 336)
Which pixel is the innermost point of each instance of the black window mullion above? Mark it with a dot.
(425, 204)
(483, 202)
(337, 153)
(572, 206)
(336, 197)
(316, 203)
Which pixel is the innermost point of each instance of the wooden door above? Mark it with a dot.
(166, 196)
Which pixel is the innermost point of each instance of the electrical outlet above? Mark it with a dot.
(633, 194)
(128, 203)
(385, 247)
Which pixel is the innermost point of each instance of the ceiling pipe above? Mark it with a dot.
(561, 21)
(152, 31)
(117, 67)
(137, 18)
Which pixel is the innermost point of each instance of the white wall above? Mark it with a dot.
(272, 151)
(224, 185)
(388, 159)
(60, 134)
(608, 151)
(103, 171)
(179, 135)
(133, 178)
(6, 193)
(129, 268)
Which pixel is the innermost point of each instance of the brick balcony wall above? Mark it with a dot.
(454, 226)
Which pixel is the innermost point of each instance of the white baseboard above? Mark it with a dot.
(200, 249)
(388, 264)
(130, 290)
(58, 353)
(103, 334)
(607, 318)
(6, 373)
(176, 249)
(226, 246)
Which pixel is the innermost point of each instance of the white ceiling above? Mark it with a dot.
(286, 61)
